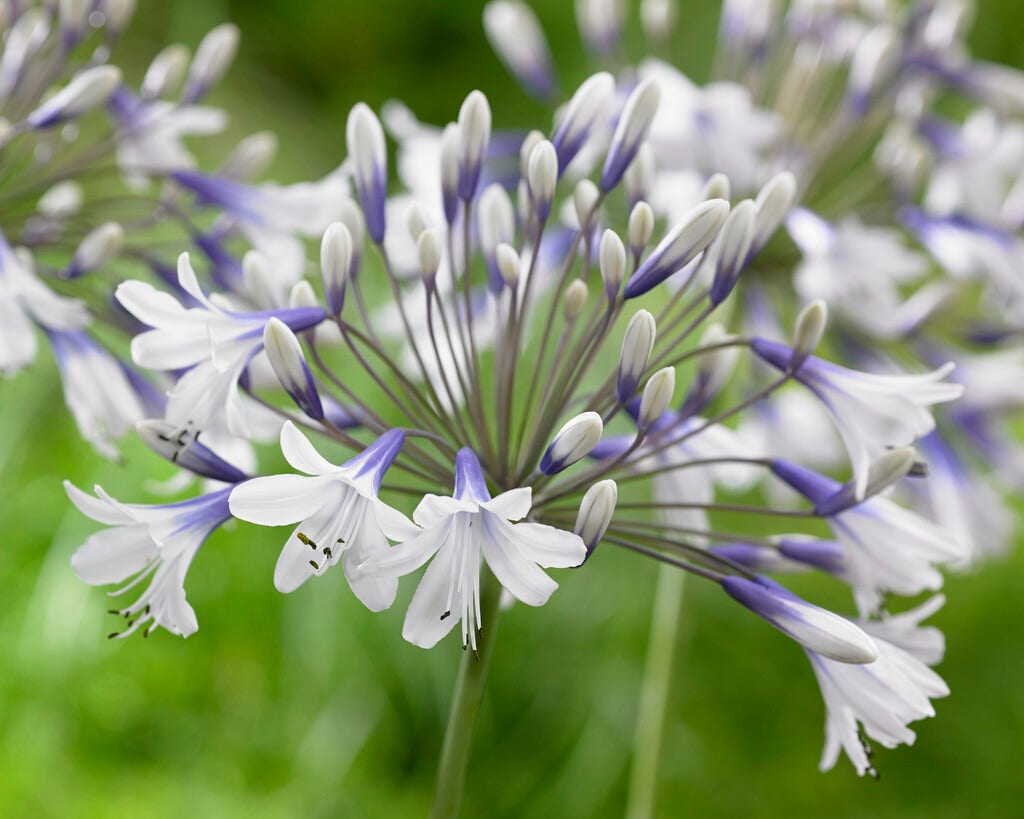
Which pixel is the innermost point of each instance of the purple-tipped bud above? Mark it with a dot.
(213, 57)
(100, 245)
(335, 265)
(637, 346)
(366, 149)
(883, 472)
(595, 515)
(165, 73)
(542, 178)
(474, 136)
(612, 258)
(826, 555)
(86, 90)
(574, 441)
(182, 449)
(733, 248)
(450, 171)
(586, 107)
(814, 628)
(517, 38)
(600, 23)
(682, 244)
(289, 364)
(634, 123)
(656, 397)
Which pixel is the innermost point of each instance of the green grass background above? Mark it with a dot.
(308, 705)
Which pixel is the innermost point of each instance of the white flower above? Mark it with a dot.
(157, 542)
(715, 128)
(97, 390)
(858, 271)
(462, 531)
(872, 412)
(24, 300)
(339, 514)
(149, 134)
(216, 343)
(885, 696)
(886, 548)
(273, 217)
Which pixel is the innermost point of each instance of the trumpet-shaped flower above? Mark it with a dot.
(872, 412)
(216, 343)
(462, 531)
(885, 696)
(339, 514)
(156, 542)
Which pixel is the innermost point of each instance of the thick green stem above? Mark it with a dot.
(643, 778)
(469, 692)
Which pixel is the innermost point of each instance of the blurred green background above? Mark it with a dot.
(309, 705)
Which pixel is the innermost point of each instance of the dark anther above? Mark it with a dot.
(315, 565)
(446, 615)
(304, 539)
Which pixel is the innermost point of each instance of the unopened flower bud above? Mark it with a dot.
(595, 515)
(250, 156)
(450, 171)
(810, 327)
(658, 18)
(657, 395)
(637, 346)
(302, 295)
(289, 364)
(815, 628)
(600, 23)
(508, 263)
(883, 472)
(773, 204)
(364, 138)
(415, 221)
(530, 141)
(428, 250)
(639, 177)
(351, 217)
(85, 91)
(717, 187)
(168, 441)
(872, 60)
(543, 177)
(575, 297)
(213, 57)
(99, 246)
(474, 136)
(260, 285)
(612, 262)
(574, 441)
(518, 39)
(62, 200)
(335, 264)
(734, 243)
(118, 14)
(631, 131)
(682, 244)
(640, 227)
(584, 197)
(165, 73)
(588, 104)
(73, 15)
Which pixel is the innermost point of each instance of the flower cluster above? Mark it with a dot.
(536, 343)
(97, 181)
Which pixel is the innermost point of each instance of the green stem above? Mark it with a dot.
(469, 692)
(643, 778)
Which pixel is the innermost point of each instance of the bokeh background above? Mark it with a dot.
(309, 705)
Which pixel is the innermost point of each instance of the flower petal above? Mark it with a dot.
(278, 500)
(301, 454)
(548, 546)
(114, 555)
(520, 576)
(425, 622)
